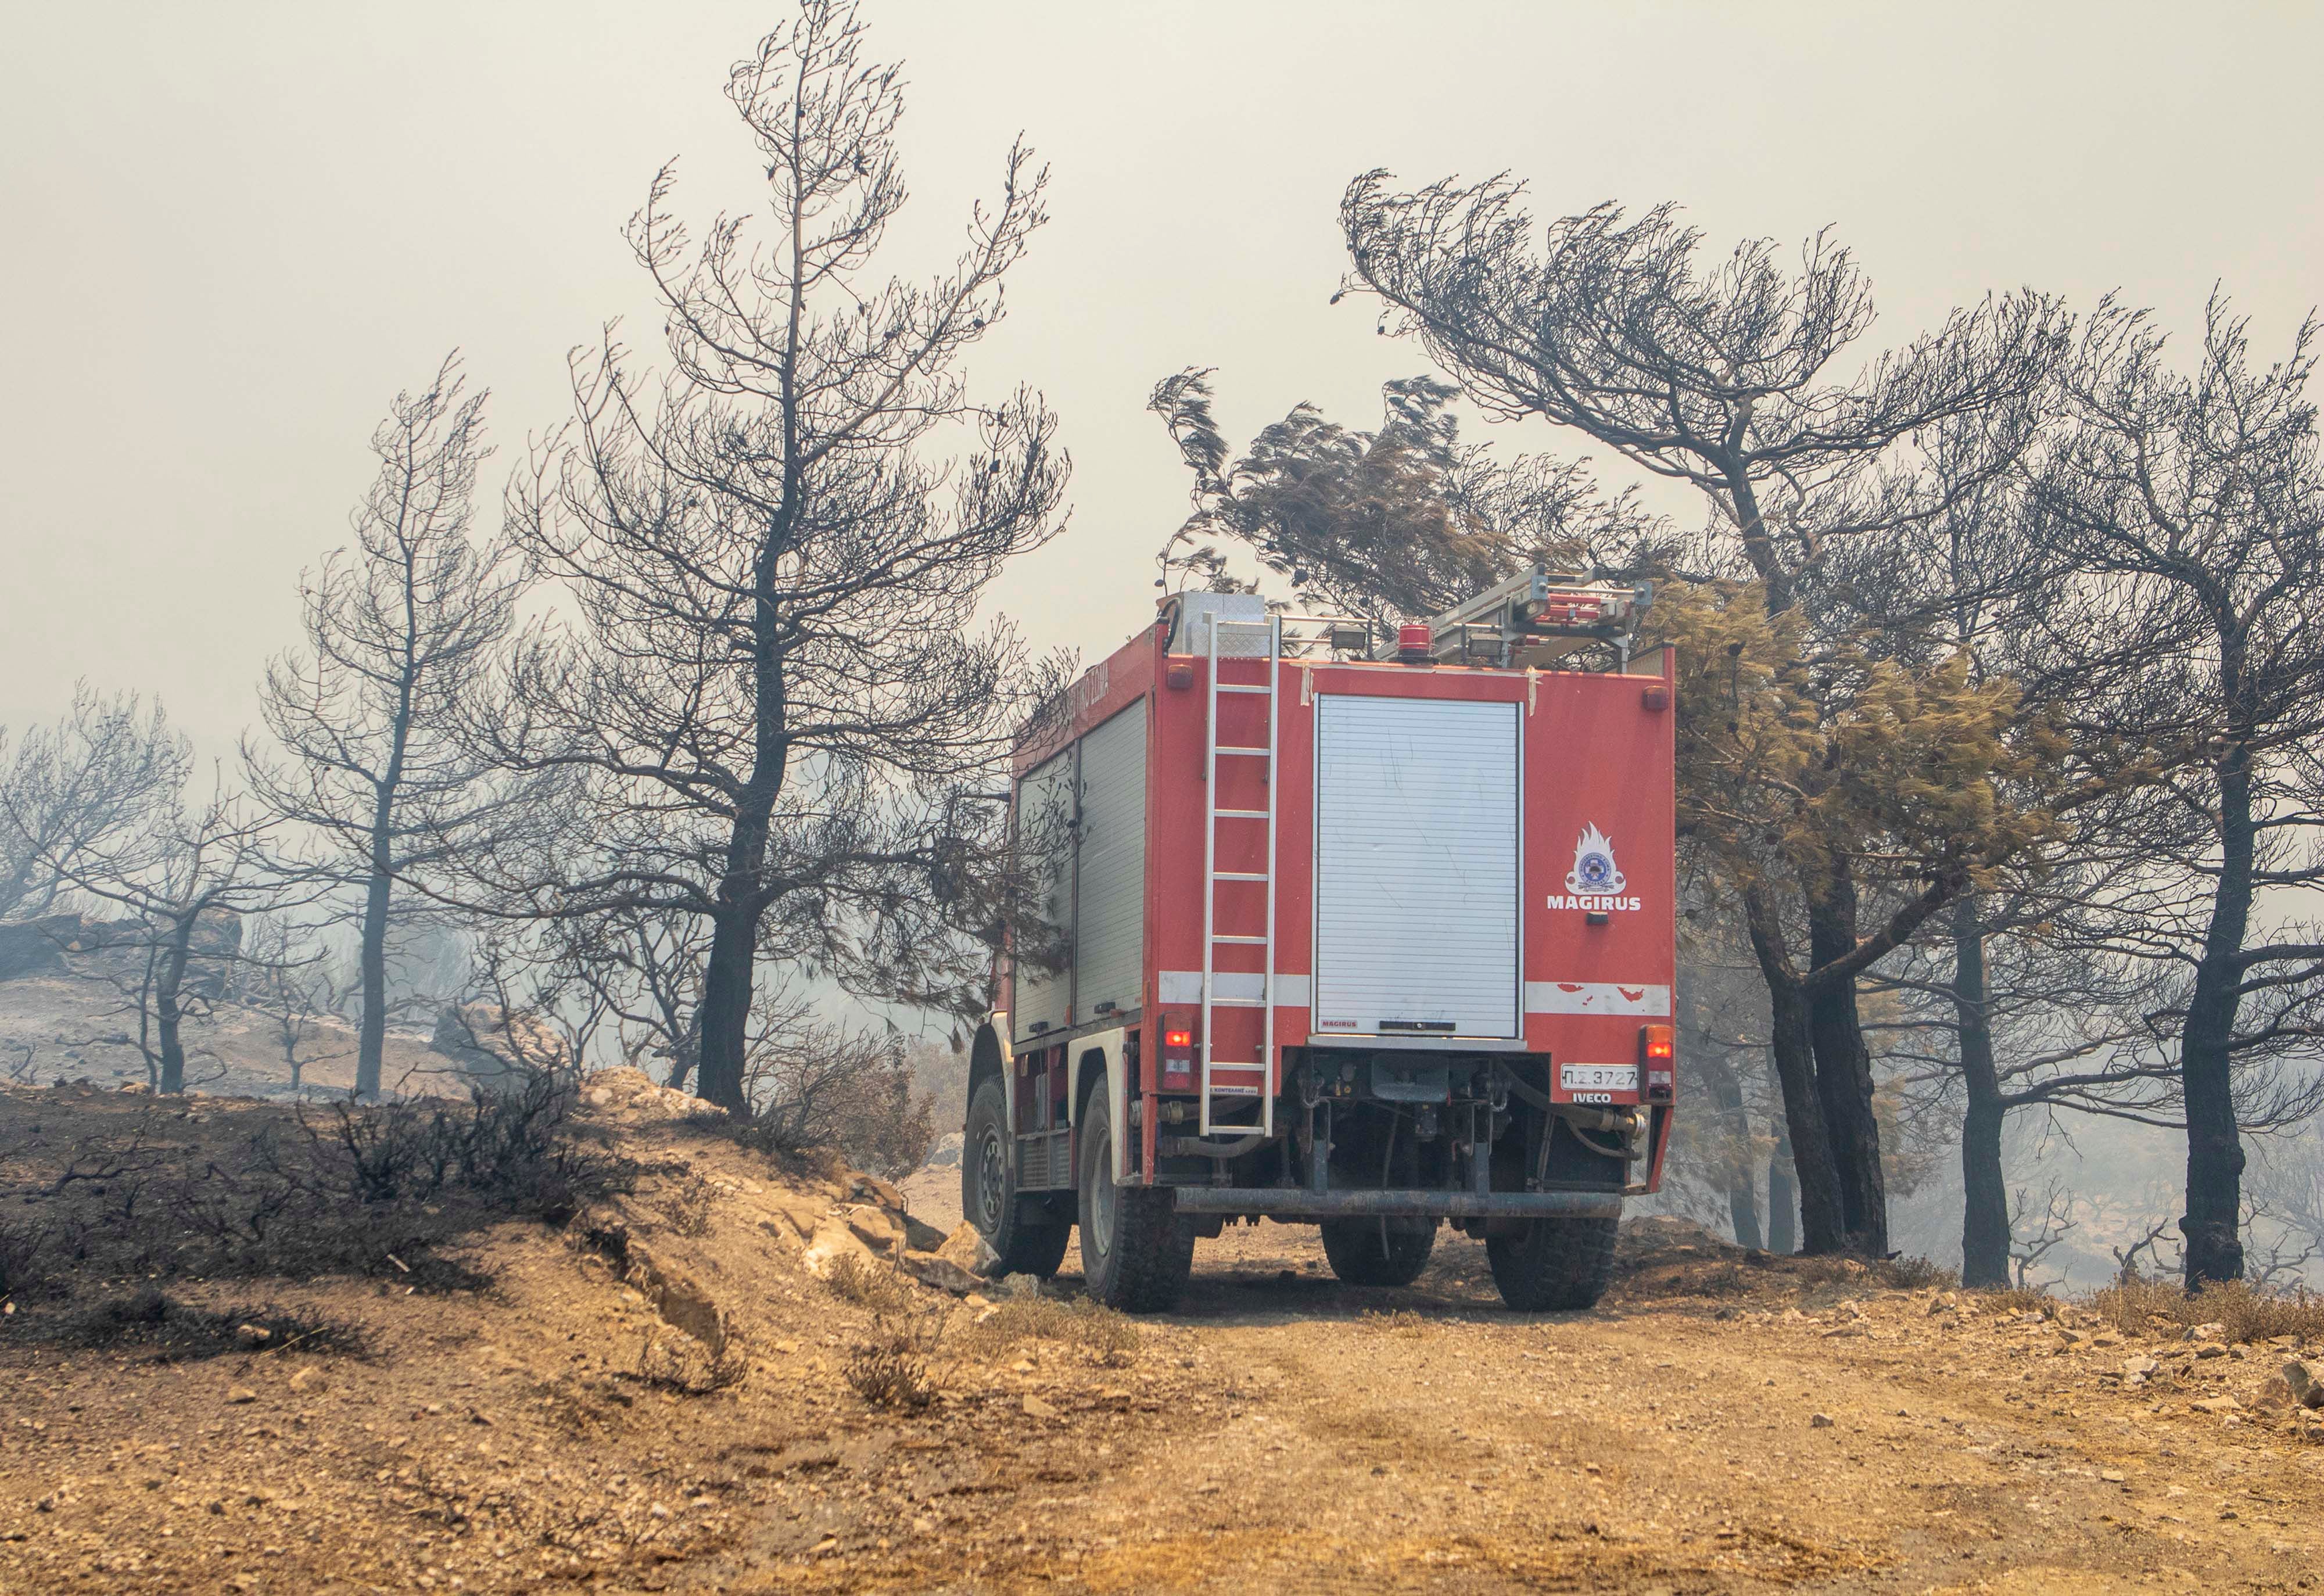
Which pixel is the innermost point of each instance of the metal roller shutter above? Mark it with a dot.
(1043, 819)
(1109, 910)
(1416, 850)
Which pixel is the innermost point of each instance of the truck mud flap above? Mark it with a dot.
(1294, 1203)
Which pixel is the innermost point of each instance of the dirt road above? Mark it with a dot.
(1722, 1425)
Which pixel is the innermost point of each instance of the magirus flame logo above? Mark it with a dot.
(1594, 871)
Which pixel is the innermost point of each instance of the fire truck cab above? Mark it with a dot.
(1366, 927)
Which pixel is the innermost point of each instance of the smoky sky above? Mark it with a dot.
(233, 231)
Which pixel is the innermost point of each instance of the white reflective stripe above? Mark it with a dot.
(1596, 997)
(1185, 986)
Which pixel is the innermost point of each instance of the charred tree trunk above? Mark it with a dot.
(1823, 1208)
(1843, 1072)
(371, 1036)
(371, 1041)
(683, 1053)
(2213, 1223)
(727, 980)
(1823, 1212)
(1984, 1192)
(169, 981)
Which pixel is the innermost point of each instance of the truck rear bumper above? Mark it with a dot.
(1297, 1202)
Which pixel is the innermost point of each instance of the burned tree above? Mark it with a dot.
(1403, 521)
(775, 583)
(401, 634)
(182, 882)
(281, 975)
(2191, 508)
(1724, 380)
(99, 773)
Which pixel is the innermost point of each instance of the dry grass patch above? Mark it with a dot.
(1893, 1274)
(882, 1287)
(2141, 1306)
(2018, 1299)
(1088, 1327)
(1402, 1322)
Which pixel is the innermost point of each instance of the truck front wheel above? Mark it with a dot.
(1554, 1264)
(1373, 1252)
(1136, 1250)
(988, 1192)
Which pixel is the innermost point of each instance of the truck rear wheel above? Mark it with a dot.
(1369, 1252)
(1553, 1263)
(988, 1192)
(1136, 1250)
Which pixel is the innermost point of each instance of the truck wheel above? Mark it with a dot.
(1366, 1252)
(1137, 1250)
(1553, 1263)
(988, 1192)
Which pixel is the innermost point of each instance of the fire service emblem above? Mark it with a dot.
(1594, 871)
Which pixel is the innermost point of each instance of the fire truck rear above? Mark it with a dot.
(1366, 928)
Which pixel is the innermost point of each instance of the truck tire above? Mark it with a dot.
(1136, 1250)
(1554, 1264)
(988, 1192)
(1365, 1252)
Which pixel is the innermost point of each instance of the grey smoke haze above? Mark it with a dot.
(235, 230)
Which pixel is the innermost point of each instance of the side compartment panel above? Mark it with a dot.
(1109, 918)
(1044, 812)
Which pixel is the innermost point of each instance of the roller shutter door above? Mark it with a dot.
(1416, 850)
(1109, 910)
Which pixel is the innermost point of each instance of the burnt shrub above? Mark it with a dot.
(515, 1147)
(228, 1189)
(375, 1188)
(854, 1095)
(892, 1366)
(171, 1331)
(25, 1251)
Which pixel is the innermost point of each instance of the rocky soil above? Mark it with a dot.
(667, 1392)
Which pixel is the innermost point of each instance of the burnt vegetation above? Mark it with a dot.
(98, 1229)
(2000, 745)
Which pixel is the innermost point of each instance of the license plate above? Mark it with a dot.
(1598, 1077)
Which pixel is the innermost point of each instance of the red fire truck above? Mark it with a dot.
(1365, 928)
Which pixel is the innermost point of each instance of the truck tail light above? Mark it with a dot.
(1658, 1063)
(1178, 1056)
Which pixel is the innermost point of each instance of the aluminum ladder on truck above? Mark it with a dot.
(1213, 938)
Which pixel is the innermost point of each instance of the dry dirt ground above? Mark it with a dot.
(655, 1396)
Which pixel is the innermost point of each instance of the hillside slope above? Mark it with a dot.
(664, 1392)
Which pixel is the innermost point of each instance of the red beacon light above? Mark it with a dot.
(1415, 643)
(1658, 1063)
